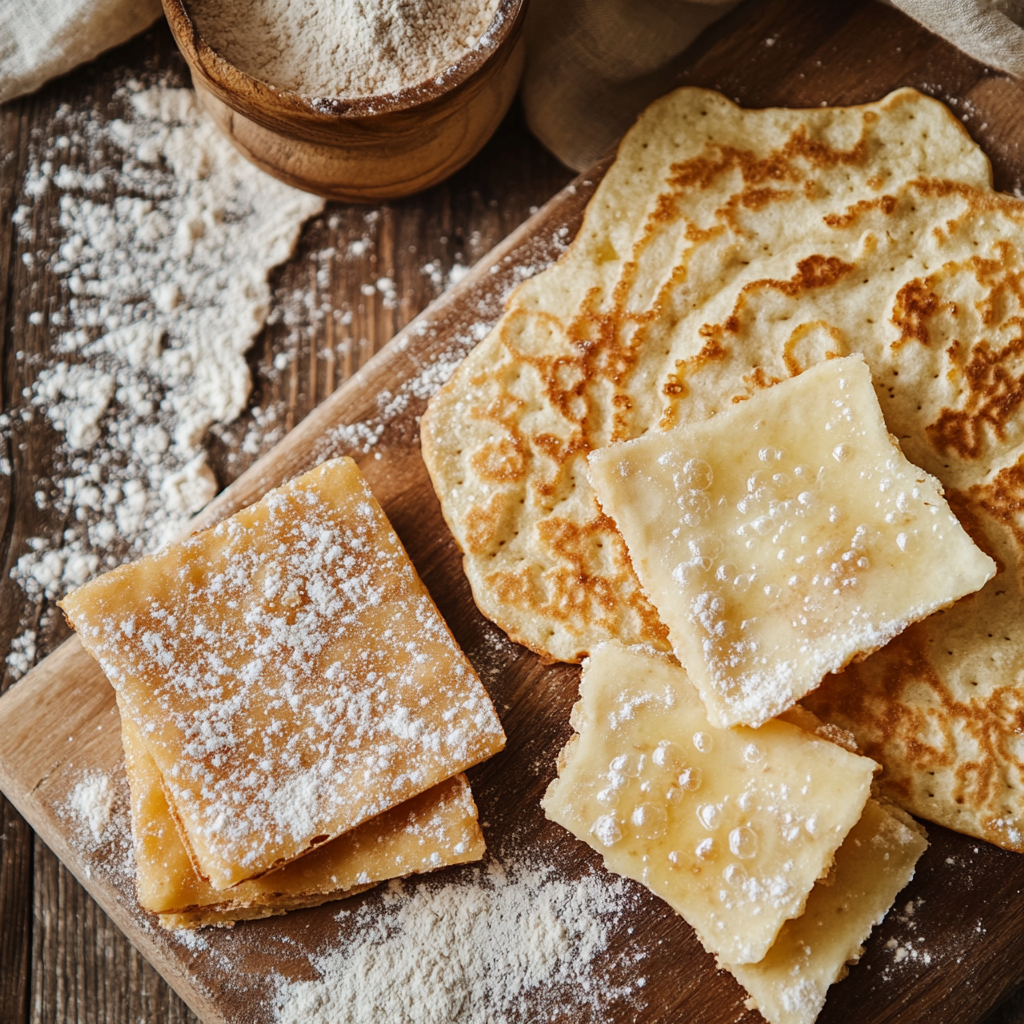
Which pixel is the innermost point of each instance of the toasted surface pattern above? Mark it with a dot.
(725, 251)
(702, 194)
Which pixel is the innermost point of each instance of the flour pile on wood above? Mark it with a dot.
(471, 951)
(163, 266)
(92, 800)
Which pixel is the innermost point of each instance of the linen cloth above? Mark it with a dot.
(593, 65)
(40, 39)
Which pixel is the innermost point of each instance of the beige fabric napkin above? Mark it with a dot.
(40, 39)
(988, 30)
(593, 65)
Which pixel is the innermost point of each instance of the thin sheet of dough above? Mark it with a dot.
(289, 673)
(812, 952)
(731, 827)
(432, 830)
(784, 537)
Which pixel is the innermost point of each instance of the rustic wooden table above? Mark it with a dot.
(60, 957)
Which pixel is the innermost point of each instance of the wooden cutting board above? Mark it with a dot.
(951, 948)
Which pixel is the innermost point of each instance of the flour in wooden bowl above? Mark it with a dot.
(347, 48)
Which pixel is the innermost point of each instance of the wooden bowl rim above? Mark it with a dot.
(232, 82)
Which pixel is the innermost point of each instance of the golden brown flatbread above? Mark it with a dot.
(432, 830)
(289, 673)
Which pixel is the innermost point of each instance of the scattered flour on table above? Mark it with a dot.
(910, 949)
(471, 951)
(346, 48)
(92, 800)
(163, 263)
(363, 436)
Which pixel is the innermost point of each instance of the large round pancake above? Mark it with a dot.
(718, 260)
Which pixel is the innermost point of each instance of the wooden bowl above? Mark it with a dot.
(367, 148)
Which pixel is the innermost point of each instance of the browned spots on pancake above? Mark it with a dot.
(967, 505)
(483, 524)
(751, 199)
(591, 581)
(700, 236)
(994, 394)
(499, 460)
(887, 204)
(759, 198)
(1001, 498)
(759, 379)
(1003, 281)
(811, 272)
(607, 335)
(836, 345)
(778, 166)
(976, 201)
(675, 387)
(902, 713)
(916, 303)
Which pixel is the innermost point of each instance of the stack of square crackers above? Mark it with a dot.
(295, 714)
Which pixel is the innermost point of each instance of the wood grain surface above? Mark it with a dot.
(60, 958)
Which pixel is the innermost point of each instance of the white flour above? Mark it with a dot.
(163, 263)
(471, 951)
(92, 800)
(345, 48)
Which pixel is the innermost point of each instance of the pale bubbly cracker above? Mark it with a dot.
(288, 672)
(437, 828)
(784, 537)
(875, 862)
(725, 251)
(731, 827)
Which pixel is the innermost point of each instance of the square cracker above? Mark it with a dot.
(731, 827)
(289, 673)
(432, 830)
(784, 537)
(877, 860)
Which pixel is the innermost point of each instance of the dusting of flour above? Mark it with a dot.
(92, 800)
(161, 258)
(345, 48)
(471, 951)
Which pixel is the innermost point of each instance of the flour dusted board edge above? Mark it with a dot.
(58, 727)
(60, 723)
